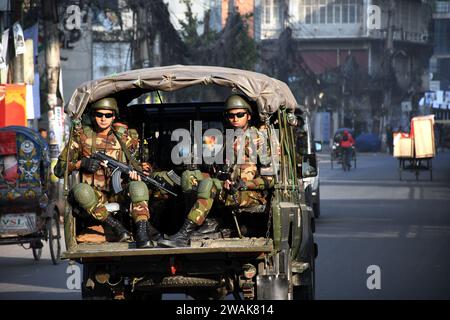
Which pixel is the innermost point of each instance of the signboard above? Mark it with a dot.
(13, 105)
(19, 40)
(435, 85)
(4, 49)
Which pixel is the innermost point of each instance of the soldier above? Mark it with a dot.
(243, 187)
(95, 189)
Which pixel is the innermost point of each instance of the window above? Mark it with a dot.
(330, 11)
(271, 12)
(352, 12)
(345, 10)
(322, 11)
(337, 13)
(308, 11)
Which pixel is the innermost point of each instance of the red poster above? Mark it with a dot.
(13, 105)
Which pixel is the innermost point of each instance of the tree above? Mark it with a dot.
(232, 47)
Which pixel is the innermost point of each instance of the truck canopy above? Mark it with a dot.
(269, 94)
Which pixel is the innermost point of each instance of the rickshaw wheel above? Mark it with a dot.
(54, 237)
(37, 252)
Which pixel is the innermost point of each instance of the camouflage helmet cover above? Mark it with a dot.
(237, 101)
(106, 104)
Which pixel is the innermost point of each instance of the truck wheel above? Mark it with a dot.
(308, 277)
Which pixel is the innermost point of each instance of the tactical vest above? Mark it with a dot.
(247, 153)
(117, 144)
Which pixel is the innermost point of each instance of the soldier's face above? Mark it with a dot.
(238, 118)
(104, 118)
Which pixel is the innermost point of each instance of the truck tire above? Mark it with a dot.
(307, 290)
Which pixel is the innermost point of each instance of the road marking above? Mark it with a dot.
(14, 287)
(358, 235)
(412, 232)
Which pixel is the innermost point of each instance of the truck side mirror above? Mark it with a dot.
(309, 166)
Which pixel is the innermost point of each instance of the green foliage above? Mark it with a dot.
(232, 47)
(243, 51)
(189, 30)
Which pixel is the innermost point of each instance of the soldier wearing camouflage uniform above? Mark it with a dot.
(95, 190)
(244, 188)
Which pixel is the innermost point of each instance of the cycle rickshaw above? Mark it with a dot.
(27, 217)
(336, 152)
(415, 151)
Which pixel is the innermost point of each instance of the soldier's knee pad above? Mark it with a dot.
(204, 188)
(84, 195)
(187, 179)
(138, 191)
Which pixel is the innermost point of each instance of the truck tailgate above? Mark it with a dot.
(121, 249)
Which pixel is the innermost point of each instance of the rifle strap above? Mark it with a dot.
(94, 142)
(130, 159)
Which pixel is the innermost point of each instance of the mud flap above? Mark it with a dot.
(272, 287)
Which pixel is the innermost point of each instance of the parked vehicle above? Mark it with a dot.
(274, 258)
(27, 217)
(368, 142)
(310, 180)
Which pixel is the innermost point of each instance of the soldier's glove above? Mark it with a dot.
(90, 165)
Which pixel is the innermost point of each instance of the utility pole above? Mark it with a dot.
(18, 73)
(387, 75)
(52, 61)
(142, 46)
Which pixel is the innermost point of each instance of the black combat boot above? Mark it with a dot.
(152, 232)
(142, 239)
(181, 238)
(122, 234)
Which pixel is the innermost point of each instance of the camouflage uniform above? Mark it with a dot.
(82, 146)
(252, 192)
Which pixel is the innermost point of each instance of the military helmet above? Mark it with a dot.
(106, 104)
(237, 101)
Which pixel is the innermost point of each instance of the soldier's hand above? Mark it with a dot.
(134, 176)
(227, 184)
(90, 165)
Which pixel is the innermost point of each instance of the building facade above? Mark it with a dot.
(440, 61)
(351, 49)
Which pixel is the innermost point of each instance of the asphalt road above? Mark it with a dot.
(368, 218)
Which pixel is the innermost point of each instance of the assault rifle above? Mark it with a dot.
(118, 168)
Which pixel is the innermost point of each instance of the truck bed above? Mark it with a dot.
(121, 249)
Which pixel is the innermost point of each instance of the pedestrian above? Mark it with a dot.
(389, 139)
(44, 134)
(95, 190)
(239, 185)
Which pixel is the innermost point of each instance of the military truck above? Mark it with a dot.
(267, 252)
